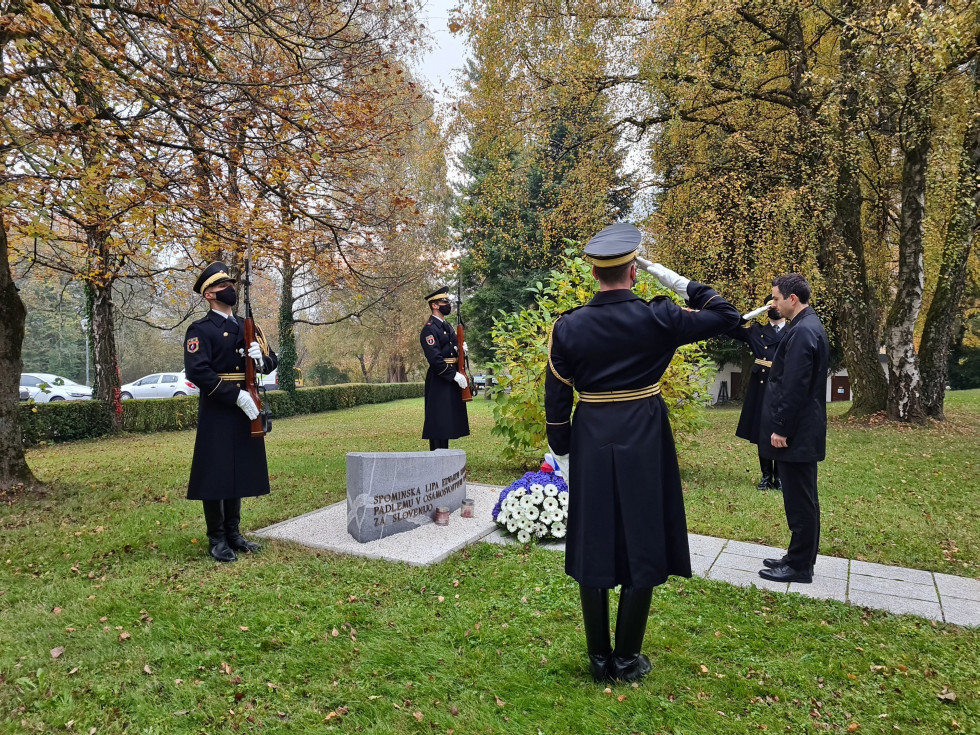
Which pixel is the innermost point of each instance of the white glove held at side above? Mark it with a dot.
(246, 403)
(255, 351)
(563, 467)
(755, 312)
(460, 380)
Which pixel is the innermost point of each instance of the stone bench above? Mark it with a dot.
(393, 492)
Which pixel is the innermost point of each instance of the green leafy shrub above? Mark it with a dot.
(71, 420)
(521, 343)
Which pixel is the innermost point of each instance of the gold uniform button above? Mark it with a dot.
(225, 334)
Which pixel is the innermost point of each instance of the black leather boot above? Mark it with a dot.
(776, 484)
(215, 519)
(233, 518)
(628, 663)
(765, 483)
(595, 615)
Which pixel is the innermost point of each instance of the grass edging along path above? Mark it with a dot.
(111, 616)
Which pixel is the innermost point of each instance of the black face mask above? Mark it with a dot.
(227, 296)
(445, 309)
(774, 314)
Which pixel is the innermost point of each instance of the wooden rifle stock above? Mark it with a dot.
(250, 380)
(460, 362)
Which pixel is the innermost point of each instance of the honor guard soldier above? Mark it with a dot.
(229, 463)
(762, 340)
(445, 411)
(626, 522)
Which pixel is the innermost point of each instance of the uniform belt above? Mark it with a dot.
(450, 360)
(232, 376)
(764, 363)
(615, 396)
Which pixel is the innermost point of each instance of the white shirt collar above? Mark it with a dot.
(221, 313)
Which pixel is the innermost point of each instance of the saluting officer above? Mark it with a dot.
(626, 522)
(229, 463)
(445, 410)
(762, 340)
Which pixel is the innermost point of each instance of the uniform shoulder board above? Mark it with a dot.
(574, 308)
(661, 297)
(202, 320)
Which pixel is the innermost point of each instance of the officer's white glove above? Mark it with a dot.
(560, 463)
(255, 351)
(465, 348)
(460, 380)
(675, 282)
(755, 312)
(246, 403)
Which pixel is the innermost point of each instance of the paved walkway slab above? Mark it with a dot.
(933, 595)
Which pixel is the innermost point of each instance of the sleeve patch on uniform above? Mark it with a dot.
(430, 340)
(192, 344)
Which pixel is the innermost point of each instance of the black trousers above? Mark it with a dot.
(802, 512)
(435, 444)
(770, 467)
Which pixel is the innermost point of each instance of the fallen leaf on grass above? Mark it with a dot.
(417, 715)
(57, 611)
(335, 632)
(946, 695)
(73, 671)
(55, 652)
(704, 669)
(453, 710)
(500, 702)
(621, 698)
(853, 727)
(124, 636)
(225, 667)
(146, 670)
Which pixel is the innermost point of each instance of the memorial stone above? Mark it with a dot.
(392, 492)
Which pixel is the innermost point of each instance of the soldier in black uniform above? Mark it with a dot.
(626, 521)
(762, 340)
(445, 410)
(229, 463)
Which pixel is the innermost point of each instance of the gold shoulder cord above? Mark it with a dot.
(260, 338)
(551, 337)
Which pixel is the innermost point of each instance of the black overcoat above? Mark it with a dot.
(228, 461)
(445, 410)
(626, 522)
(795, 403)
(762, 340)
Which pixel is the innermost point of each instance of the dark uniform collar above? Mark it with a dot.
(613, 297)
(220, 320)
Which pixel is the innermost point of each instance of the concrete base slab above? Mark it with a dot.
(429, 544)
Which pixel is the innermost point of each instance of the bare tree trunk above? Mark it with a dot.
(13, 466)
(844, 262)
(904, 378)
(105, 356)
(938, 333)
(397, 372)
(287, 328)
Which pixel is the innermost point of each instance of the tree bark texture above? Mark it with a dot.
(13, 466)
(287, 329)
(844, 261)
(940, 325)
(904, 377)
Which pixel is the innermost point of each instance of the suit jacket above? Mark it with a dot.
(795, 403)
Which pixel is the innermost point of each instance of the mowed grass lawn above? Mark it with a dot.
(113, 618)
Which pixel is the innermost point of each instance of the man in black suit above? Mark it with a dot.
(626, 521)
(762, 339)
(229, 463)
(794, 425)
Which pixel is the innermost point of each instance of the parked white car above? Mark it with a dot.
(159, 385)
(45, 387)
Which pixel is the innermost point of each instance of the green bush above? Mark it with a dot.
(70, 420)
(521, 342)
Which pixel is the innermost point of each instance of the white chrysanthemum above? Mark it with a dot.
(563, 499)
(523, 536)
(536, 487)
(532, 513)
(551, 489)
(503, 516)
(545, 516)
(537, 496)
(541, 530)
(558, 530)
(526, 501)
(549, 503)
(512, 526)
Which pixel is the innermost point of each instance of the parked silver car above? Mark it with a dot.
(45, 387)
(159, 385)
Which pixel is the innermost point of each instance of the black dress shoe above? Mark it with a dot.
(784, 573)
(220, 551)
(599, 667)
(777, 485)
(629, 670)
(240, 543)
(773, 563)
(765, 483)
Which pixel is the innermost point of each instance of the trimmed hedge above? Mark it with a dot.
(71, 420)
